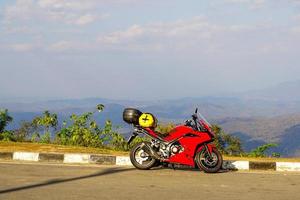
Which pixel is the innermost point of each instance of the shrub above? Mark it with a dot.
(46, 138)
(227, 143)
(5, 119)
(165, 129)
(262, 150)
(83, 130)
(35, 137)
(25, 131)
(7, 136)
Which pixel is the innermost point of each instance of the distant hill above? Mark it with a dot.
(284, 92)
(283, 130)
(257, 117)
(290, 141)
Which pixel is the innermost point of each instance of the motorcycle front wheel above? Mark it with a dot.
(209, 163)
(140, 157)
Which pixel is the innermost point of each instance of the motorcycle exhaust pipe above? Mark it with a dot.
(153, 153)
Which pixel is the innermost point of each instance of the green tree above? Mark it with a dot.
(227, 143)
(5, 119)
(45, 123)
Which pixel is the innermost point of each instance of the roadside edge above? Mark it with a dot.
(77, 158)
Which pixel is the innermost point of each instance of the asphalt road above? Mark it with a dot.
(36, 181)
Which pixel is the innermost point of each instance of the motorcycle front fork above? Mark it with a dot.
(207, 150)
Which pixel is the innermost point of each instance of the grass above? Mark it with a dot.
(47, 148)
(262, 159)
(52, 148)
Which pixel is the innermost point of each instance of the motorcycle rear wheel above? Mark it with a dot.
(140, 157)
(209, 164)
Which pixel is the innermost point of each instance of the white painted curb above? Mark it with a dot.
(288, 166)
(123, 161)
(236, 165)
(76, 158)
(70, 158)
(26, 156)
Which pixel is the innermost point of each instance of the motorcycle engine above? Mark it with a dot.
(165, 150)
(175, 149)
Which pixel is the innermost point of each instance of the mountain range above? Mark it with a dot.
(256, 117)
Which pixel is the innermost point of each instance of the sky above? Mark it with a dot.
(146, 50)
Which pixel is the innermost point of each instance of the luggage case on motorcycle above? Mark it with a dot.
(131, 116)
(147, 120)
(136, 117)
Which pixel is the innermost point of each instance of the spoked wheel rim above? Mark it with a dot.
(209, 161)
(142, 157)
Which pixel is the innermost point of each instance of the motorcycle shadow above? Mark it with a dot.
(185, 168)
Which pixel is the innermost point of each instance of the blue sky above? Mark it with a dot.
(138, 49)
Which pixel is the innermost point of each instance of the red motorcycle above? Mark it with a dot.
(189, 144)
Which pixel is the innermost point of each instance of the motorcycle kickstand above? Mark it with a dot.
(173, 166)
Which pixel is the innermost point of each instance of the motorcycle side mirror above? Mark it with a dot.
(196, 111)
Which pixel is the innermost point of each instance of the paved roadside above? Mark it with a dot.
(59, 181)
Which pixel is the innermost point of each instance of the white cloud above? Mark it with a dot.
(277, 46)
(89, 18)
(22, 9)
(61, 45)
(196, 35)
(253, 4)
(296, 1)
(296, 17)
(67, 4)
(22, 47)
(197, 32)
(198, 26)
(85, 19)
(295, 30)
(132, 32)
(237, 1)
(70, 46)
(65, 11)
(258, 3)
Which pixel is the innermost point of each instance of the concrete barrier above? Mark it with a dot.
(76, 158)
(288, 166)
(235, 165)
(26, 156)
(262, 165)
(102, 159)
(125, 161)
(6, 155)
(51, 157)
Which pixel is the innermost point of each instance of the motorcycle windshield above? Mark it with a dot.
(202, 118)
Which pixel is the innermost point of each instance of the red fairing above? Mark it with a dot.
(152, 133)
(192, 141)
(210, 147)
(178, 132)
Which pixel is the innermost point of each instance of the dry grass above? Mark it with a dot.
(47, 148)
(263, 159)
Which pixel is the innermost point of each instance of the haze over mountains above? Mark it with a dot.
(257, 117)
